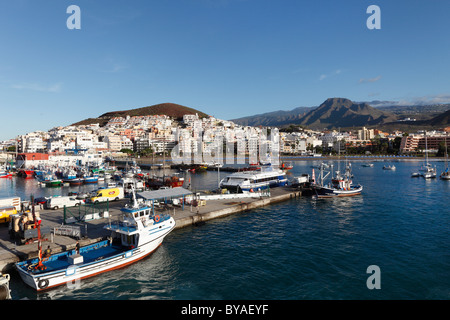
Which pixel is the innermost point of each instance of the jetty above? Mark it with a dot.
(91, 230)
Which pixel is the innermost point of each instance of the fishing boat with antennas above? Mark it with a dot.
(341, 184)
(139, 232)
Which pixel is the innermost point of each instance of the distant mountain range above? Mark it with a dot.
(169, 109)
(333, 113)
(336, 113)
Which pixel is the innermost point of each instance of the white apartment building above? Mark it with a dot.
(114, 143)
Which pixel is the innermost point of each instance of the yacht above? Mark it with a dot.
(252, 181)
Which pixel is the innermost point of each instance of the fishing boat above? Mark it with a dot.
(286, 166)
(53, 183)
(252, 181)
(76, 181)
(91, 179)
(5, 174)
(26, 173)
(68, 175)
(173, 181)
(341, 185)
(137, 235)
(49, 180)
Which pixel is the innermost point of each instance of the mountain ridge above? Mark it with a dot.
(342, 112)
(170, 109)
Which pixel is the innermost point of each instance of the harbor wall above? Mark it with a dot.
(237, 208)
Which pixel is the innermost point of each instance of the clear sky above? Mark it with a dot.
(227, 58)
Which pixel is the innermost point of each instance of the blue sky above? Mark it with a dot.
(228, 58)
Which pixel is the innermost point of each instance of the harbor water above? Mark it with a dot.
(298, 249)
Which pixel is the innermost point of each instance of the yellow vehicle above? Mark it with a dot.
(110, 194)
(6, 212)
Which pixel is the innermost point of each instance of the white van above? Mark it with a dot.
(59, 202)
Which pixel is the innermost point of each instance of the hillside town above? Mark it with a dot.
(143, 136)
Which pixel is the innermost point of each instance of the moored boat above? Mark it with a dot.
(340, 186)
(26, 173)
(76, 181)
(53, 183)
(252, 181)
(286, 166)
(138, 234)
(91, 179)
(5, 174)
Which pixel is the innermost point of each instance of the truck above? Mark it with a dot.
(108, 194)
(59, 202)
(6, 212)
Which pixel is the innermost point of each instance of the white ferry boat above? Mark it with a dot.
(137, 235)
(252, 181)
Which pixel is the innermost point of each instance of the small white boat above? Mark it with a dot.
(389, 167)
(369, 165)
(445, 175)
(138, 234)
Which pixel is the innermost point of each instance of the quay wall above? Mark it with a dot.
(241, 207)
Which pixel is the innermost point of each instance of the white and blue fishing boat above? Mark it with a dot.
(253, 181)
(135, 236)
(91, 179)
(341, 185)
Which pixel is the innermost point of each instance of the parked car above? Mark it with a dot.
(59, 202)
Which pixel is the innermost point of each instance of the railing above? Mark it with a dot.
(71, 231)
(83, 212)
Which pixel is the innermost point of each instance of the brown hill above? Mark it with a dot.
(169, 109)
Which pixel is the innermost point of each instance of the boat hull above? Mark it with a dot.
(324, 192)
(51, 184)
(76, 182)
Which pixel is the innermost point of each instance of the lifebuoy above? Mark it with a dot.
(157, 218)
(42, 284)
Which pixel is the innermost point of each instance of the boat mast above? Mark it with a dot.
(446, 153)
(40, 265)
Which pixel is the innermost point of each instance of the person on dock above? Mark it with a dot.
(47, 252)
(77, 248)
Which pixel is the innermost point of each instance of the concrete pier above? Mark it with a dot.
(93, 231)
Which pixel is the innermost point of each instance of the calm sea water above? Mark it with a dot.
(298, 249)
